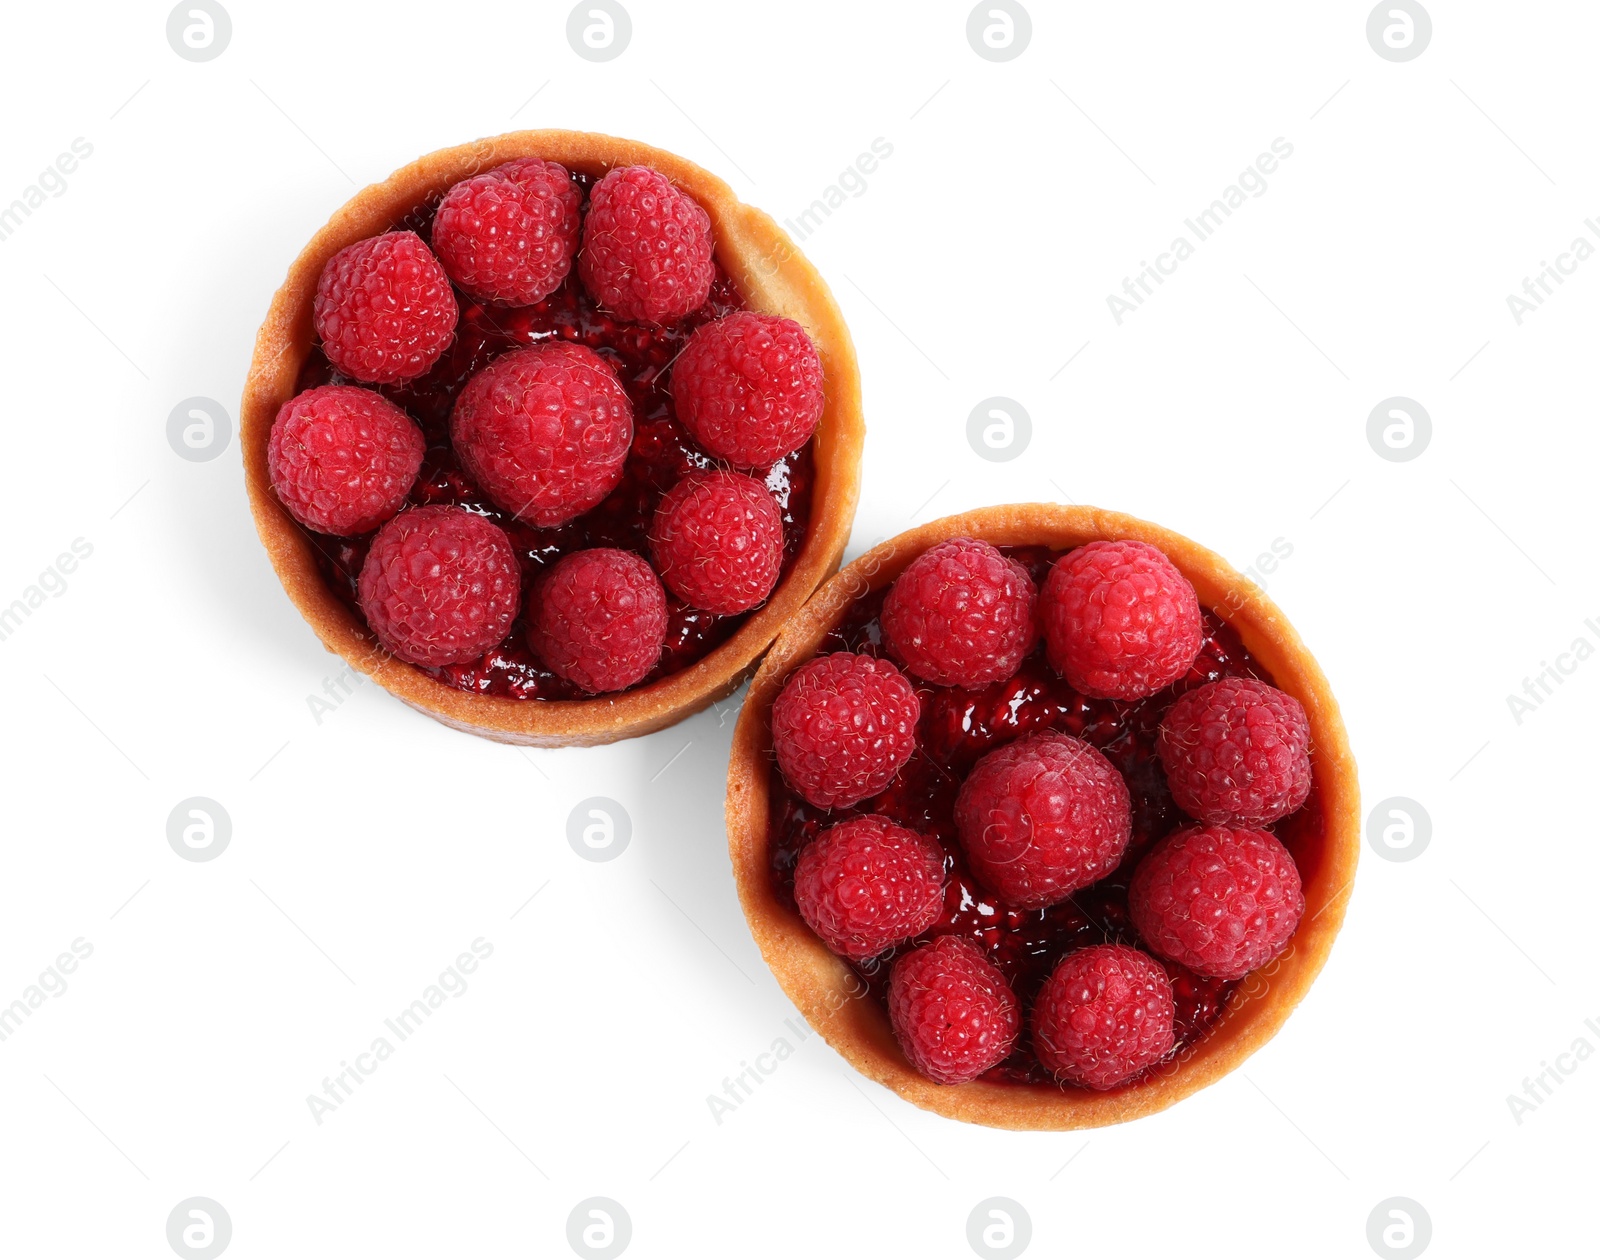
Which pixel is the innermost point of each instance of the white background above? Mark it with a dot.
(372, 848)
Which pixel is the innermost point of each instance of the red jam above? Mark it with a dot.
(662, 453)
(956, 728)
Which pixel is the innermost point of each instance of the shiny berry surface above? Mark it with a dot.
(661, 453)
(955, 729)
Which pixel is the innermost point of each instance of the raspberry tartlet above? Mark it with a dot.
(502, 331)
(1104, 943)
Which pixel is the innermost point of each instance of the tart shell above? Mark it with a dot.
(772, 277)
(1326, 841)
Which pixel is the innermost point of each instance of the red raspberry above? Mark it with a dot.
(867, 884)
(1221, 901)
(509, 236)
(718, 542)
(842, 727)
(960, 615)
(1120, 622)
(646, 247)
(384, 309)
(343, 459)
(1237, 751)
(1104, 1015)
(544, 431)
(1043, 817)
(599, 618)
(953, 1012)
(439, 585)
(748, 388)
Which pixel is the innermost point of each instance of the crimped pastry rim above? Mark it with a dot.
(824, 988)
(773, 277)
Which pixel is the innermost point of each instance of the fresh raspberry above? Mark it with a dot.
(960, 615)
(842, 727)
(1120, 622)
(748, 387)
(867, 884)
(599, 618)
(384, 309)
(646, 247)
(509, 236)
(718, 541)
(952, 1011)
(439, 585)
(1043, 817)
(1237, 751)
(1222, 901)
(343, 459)
(544, 431)
(1104, 1015)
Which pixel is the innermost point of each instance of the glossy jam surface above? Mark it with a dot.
(956, 728)
(662, 453)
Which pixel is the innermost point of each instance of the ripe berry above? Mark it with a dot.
(439, 585)
(1105, 1015)
(748, 387)
(842, 727)
(647, 247)
(544, 431)
(599, 618)
(1120, 622)
(717, 540)
(384, 309)
(509, 236)
(1043, 817)
(960, 615)
(1221, 901)
(867, 884)
(1237, 751)
(952, 1011)
(342, 459)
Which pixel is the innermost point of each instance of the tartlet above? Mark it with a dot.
(833, 996)
(770, 276)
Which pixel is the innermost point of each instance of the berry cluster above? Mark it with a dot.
(1046, 911)
(508, 520)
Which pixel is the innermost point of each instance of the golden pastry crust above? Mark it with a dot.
(1325, 837)
(770, 274)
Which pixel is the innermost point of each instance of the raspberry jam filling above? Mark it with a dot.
(955, 729)
(661, 454)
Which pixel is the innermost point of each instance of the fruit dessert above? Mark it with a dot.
(1043, 816)
(550, 435)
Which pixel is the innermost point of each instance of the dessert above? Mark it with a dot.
(1143, 953)
(520, 302)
